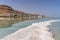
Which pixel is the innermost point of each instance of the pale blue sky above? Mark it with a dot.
(45, 7)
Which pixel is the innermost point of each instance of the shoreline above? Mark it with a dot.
(36, 30)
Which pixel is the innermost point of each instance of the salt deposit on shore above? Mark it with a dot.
(36, 31)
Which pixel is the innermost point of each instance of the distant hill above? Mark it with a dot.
(6, 11)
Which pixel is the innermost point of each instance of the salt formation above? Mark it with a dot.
(36, 31)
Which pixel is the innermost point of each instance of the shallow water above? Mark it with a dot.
(55, 28)
(36, 31)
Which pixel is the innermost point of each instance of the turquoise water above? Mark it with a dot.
(55, 27)
(56, 30)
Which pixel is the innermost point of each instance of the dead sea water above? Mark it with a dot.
(54, 28)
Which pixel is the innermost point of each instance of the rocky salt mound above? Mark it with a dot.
(36, 31)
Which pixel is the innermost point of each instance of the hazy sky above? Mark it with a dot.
(45, 7)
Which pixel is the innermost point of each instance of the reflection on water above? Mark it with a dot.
(8, 30)
(7, 22)
(6, 26)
